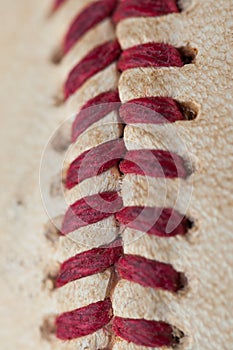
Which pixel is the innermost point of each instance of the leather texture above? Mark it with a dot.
(30, 250)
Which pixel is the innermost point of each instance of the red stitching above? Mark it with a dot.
(155, 163)
(89, 263)
(84, 321)
(57, 4)
(94, 110)
(150, 55)
(150, 273)
(144, 332)
(95, 61)
(151, 110)
(95, 208)
(154, 221)
(144, 8)
(101, 158)
(90, 210)
(87, 19)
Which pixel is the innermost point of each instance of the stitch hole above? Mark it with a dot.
(193, 231)
(49, 281)
(183, 283)
(190, 224)
(56, 189)
(185, 5)
(48, 329)
(190, 110)
(193, 224)
(188, 54)
(56, 56)
(190, 166)
(58, 99)
(178, 337)
(61, 140)
(51, 231)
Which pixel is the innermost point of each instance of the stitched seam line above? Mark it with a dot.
(138, 56)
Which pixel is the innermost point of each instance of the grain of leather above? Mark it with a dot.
(205, 256)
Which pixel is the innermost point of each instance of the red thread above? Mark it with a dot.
(143, 332)
(155, 163)
(151, 110)
(150, 55)
(94, 110)
(95, 161)
(84, 321)
(144, 8)
(162, 222)
(57, 4)
(95, 61)
(89, 263)
(87, 19)
(90, 210)
(150, 273)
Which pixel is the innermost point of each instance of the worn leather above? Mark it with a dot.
(30, 250)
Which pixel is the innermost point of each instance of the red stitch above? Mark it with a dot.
(144, 8)
(89, 263)
(94, 110)
(57, 4)
(150, 273)
(90, 210)
(143, 332)
(150, 55)
(87, 19)
(84, 321)
(162, 222)
(95, 161)
(155, 163)
(151, 110)
(95, 61)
